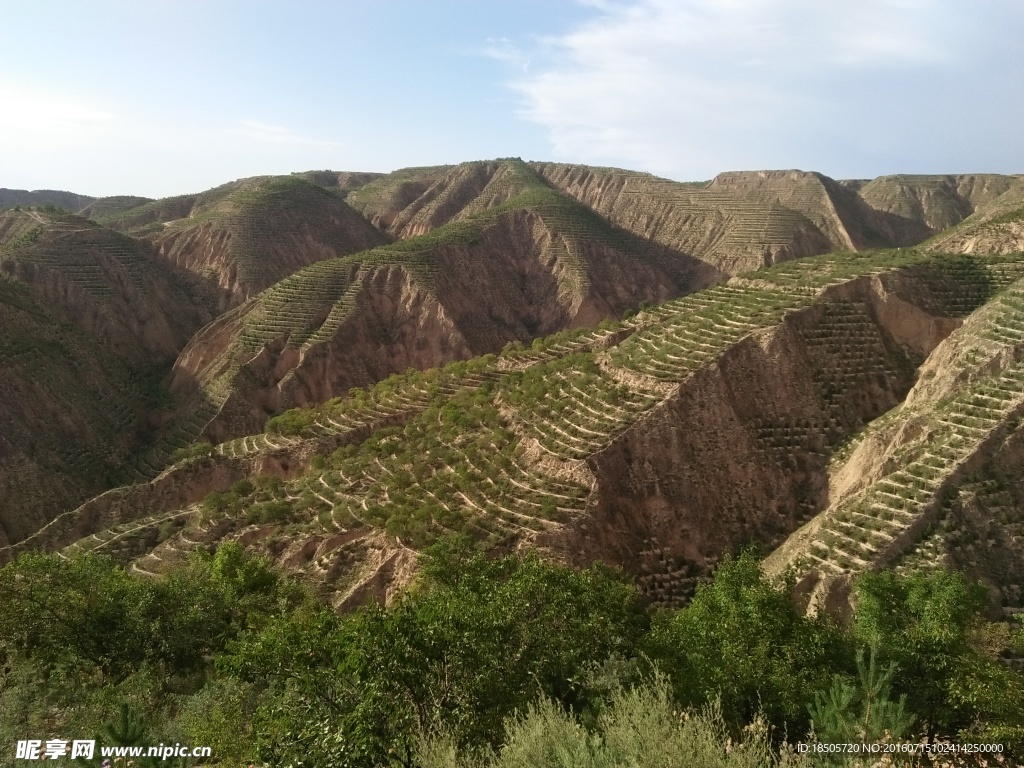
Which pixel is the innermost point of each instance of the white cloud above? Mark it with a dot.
(266, 133)
(502, 49)
(33, 119)
(698, 86)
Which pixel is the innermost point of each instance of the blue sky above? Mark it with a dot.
(160, 97)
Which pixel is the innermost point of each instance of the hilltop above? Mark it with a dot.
(247, 235)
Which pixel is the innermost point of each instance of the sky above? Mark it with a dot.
(164, 97)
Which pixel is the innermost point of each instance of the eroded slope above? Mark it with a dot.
(656, 444)
(913, 474)
(997, 227)
(743, 220)
(71, 411)
(533, 265)
(245, 236)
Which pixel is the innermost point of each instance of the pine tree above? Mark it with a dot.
(865, 712)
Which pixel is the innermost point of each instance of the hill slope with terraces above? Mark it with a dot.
(520, 261)
(246, 235)
(91, 321)
(744, 220)
(708, 423)
(771, 389)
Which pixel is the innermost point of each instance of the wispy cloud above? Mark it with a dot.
(267, 133)
(504, 50)
(696, 86)
(35, 119)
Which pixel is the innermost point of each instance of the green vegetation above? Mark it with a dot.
(865, 528)
(864, 711)
(401, 393)
(696, 329)
(196, 450)
(639, 726)
(83, 643)
(570, 406)
(496, 662)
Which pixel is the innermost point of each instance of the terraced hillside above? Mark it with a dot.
(656, 443)
(937, 202)
(108, 284)
(529, 262)
(69, 413)
(341, 182)
(91, 323)
(107, 207)
(998, 227)
(245, 236)
(744, 220)
(934, 482)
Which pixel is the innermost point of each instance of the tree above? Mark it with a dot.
(862, 712)
(928, 624)
(477, 640)
(742, 639)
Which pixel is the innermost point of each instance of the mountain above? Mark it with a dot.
(338, 368)
(112, 286)
(997, 227)
(69, 201)
(656, 443)
(92, 321)
(245, 236)
(107, 207)
(71, 413)
(744, 220)
(526, 262)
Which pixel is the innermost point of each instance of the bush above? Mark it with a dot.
(291, 423)
(640, 728)
(925, 624)
(474, 643)
(743, 639)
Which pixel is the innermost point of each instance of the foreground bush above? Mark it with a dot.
(640, 728)
(479, 640)
(499, 661)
